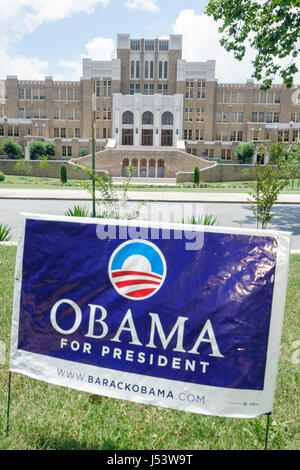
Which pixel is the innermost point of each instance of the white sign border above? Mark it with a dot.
(217, 401)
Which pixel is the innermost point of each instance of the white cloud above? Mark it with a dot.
(201, 42)
(21, 17)
(96, 49)
(145, 5)
(100, 48)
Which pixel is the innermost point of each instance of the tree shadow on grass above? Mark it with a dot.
(68, 443)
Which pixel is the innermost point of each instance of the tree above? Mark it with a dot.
(63, 174)
(12, 149)
(272, 28)
(244, 152)
(196, 176)
(38, 150)
(269, 180)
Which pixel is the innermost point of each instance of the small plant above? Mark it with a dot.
(5, 235)
(77, 211)
(196, 176)
(63, 174)
(207, 219)
(2, 177)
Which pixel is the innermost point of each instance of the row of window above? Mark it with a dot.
(238, 96)
(190, 89)
(188, 114)
(148, 88)
(147, 118)
(70, 114)
(149, 45)
(149, 69)
(70, 94)
(223, 116)
(63, 132)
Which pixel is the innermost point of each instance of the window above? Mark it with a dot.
(107, 113)
(135, 45)
(106, 88)
(77, 132)
(63, 133)
(97, 88)
(199, 134)
(254, 117)
(77, 114)
(137, 69)
(188, 114)
(147, 117)
(200, 114)
(160, 67)
(77, 94)
(295, 117)
(63, 94)
(70, 94)
(263, 97)
(163, 45)
(56, 94)
(56, 131)
(189, 90)
(127, 117)
(146, 69)
(151, 69)
(222, 116)
(35, 93)
(261, 117)
(28, 93)
(21, 93)
(21, 113)
(132, 69)
(201, 90)
(167, 118)
(149, 45)
(226, 154)
(236, 136)
(165, 70)
(70, 114)
(296, 134)
(1, 130)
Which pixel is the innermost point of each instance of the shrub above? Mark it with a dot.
(2, 176)
(12, 149)
(63, 174)
(244, 152)
(196, 176)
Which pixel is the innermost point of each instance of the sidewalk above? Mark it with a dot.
(151, 196)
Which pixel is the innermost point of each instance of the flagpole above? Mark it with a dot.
(93, 146)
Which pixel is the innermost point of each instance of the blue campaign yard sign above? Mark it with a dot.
(135, 311)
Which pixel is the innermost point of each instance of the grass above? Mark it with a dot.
(45, 417)
(33, 182)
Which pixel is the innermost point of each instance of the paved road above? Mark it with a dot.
(286, 216)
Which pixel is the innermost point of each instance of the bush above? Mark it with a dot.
(77, 211)
(244, 152)
(2, 176)
(12, 149)
(38, 150)
(63, 174)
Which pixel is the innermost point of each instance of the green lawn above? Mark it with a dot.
(32, 182)
(48, 417)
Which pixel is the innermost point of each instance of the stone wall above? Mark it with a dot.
(51, 171)
(219, 173)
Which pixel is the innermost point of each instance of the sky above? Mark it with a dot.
(41, 38)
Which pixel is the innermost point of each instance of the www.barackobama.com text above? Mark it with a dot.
(126, 386)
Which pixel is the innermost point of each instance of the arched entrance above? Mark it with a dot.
(152, 168)
(143, 168)
(134, 163)
(161, 169)
(125, 164)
